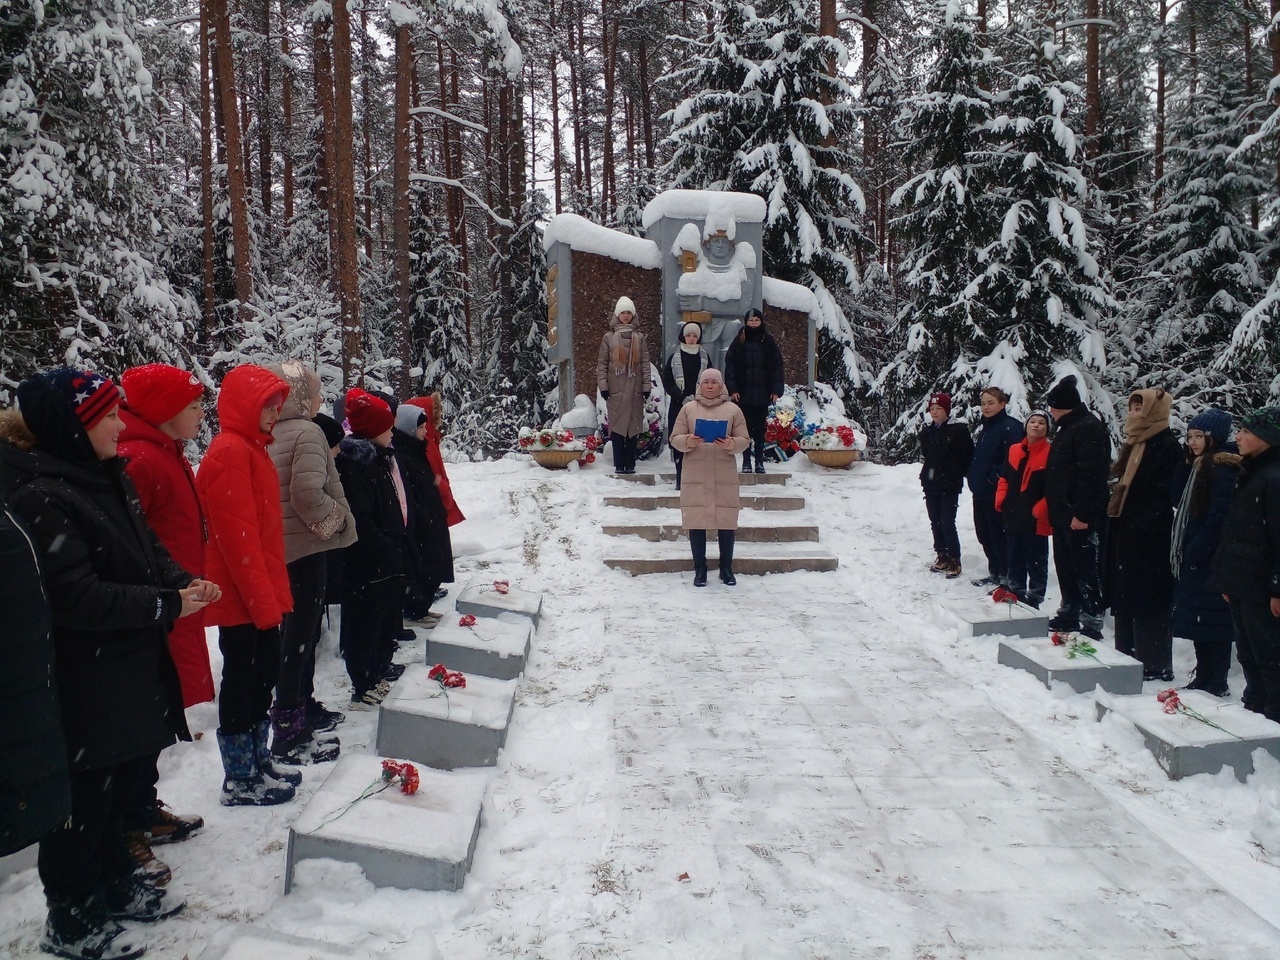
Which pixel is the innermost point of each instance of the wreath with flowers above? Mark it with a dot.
(549, 438)
(811, 418)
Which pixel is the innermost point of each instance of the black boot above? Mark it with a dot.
(698, 543)
(746, 460)
(679, 467)
(726, 538)
(759, 456)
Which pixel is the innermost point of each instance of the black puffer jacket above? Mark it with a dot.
(1200, 613)
(112, 587)
(1075, 481)
(382, 550)
(691, 365)
(35, 791)
(991, 453)
(1138, 577)
(1247, 564)
(430, 547)
(753, 367)
(947, 451)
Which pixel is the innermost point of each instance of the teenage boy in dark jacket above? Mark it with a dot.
(948, 450)
(1246, 568)
(1076, 490)
(996, 434)
(113, 590)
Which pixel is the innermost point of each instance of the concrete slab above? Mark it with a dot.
(983, 617)
(655, 532)
(493, 647)
(1111, 670)
(744, 479)
(24, 859)
(762, 499)
(421, 842)
(748, 558)
(445, 729)
(482, 598)
(277, 946)
(1185, 746)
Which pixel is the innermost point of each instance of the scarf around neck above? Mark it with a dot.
(1151, 418)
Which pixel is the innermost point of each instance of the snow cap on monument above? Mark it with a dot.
(368, 415)
(624, 304)
(157, 392)
(1064, 395)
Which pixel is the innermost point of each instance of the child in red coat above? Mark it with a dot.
(240, 493)
(1020, 500)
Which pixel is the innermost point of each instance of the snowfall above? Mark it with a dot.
(807, 765)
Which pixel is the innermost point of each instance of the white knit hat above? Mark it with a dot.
(624, 303)
(695, 327)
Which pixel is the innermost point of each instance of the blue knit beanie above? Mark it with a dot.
(1215, 422)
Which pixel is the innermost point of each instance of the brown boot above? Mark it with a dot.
(146, 866)
(953, 568)
(940, 564)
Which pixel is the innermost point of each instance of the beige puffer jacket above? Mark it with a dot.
(316, 515)
(623, 370)
(709, 483)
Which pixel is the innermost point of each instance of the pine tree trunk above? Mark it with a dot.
(646, 107)
(264, 116)
(235, 156)
(1092, 87)
(400, 212)
(207, 314)
(344, 201)
(609, 38)
(321, 30)
(368, 144)
(1161, 75)
(286, 107)
(1273, 38)
(557, 160)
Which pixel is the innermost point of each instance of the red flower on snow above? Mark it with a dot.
(502, 586)
(467, 620)
(445, 677)
(406, 774)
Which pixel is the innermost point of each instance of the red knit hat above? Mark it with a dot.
(943, 400)
(367, 415)
(157, 392)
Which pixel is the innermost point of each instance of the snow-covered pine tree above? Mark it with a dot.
(438, 316)
(1203, 271)
(1043, 284)
(81, 226)
(949, 220)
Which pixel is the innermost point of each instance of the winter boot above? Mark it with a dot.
(129, 899)
(85, 932)
(726, 538)
(293, 743)
(1063, 622)
(698, 543)
(146, 865)
(746, 460)
(321, 718)
(760, 456)
(165, 826)
(679, 468)
(243, 783)
(953, 568)
(269, 770)
(939, 565)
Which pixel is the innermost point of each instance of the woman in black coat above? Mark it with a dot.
(113, 591)
(680, 381)
(754, 378)
(1246, 568)
(1202, 486)
(1139, 582)
(430, 547)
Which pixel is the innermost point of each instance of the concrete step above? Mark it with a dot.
(655, 532)
(668, 477)
(748, 558)
(763, 499)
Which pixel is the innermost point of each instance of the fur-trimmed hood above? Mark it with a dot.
(14, 430)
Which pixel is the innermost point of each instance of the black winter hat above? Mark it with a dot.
(1064, 395)
(332, 429)
(1264, 423)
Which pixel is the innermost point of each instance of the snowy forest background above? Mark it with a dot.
(976, 193)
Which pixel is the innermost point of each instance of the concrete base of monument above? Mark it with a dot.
(277, 946)
(1184, 745)
(24, 859)
(483, 598)
(491, 647)
(1112, 671)
(445, 729)
(423, 841)
(983, 617)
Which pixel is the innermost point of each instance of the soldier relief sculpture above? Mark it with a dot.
(715, 287)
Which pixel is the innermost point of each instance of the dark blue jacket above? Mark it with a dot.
(991, 453)
(1247, 564)
(1200, 613)
(947, 450)
(1075, 478)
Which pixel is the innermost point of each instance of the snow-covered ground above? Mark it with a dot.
(809, 765)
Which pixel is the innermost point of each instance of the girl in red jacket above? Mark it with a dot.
(240, 493)
(1020, 499)
(163, 408)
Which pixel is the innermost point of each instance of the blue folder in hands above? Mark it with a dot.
(711, 430)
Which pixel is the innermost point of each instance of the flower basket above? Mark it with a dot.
(836, 457)
(555, 459)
